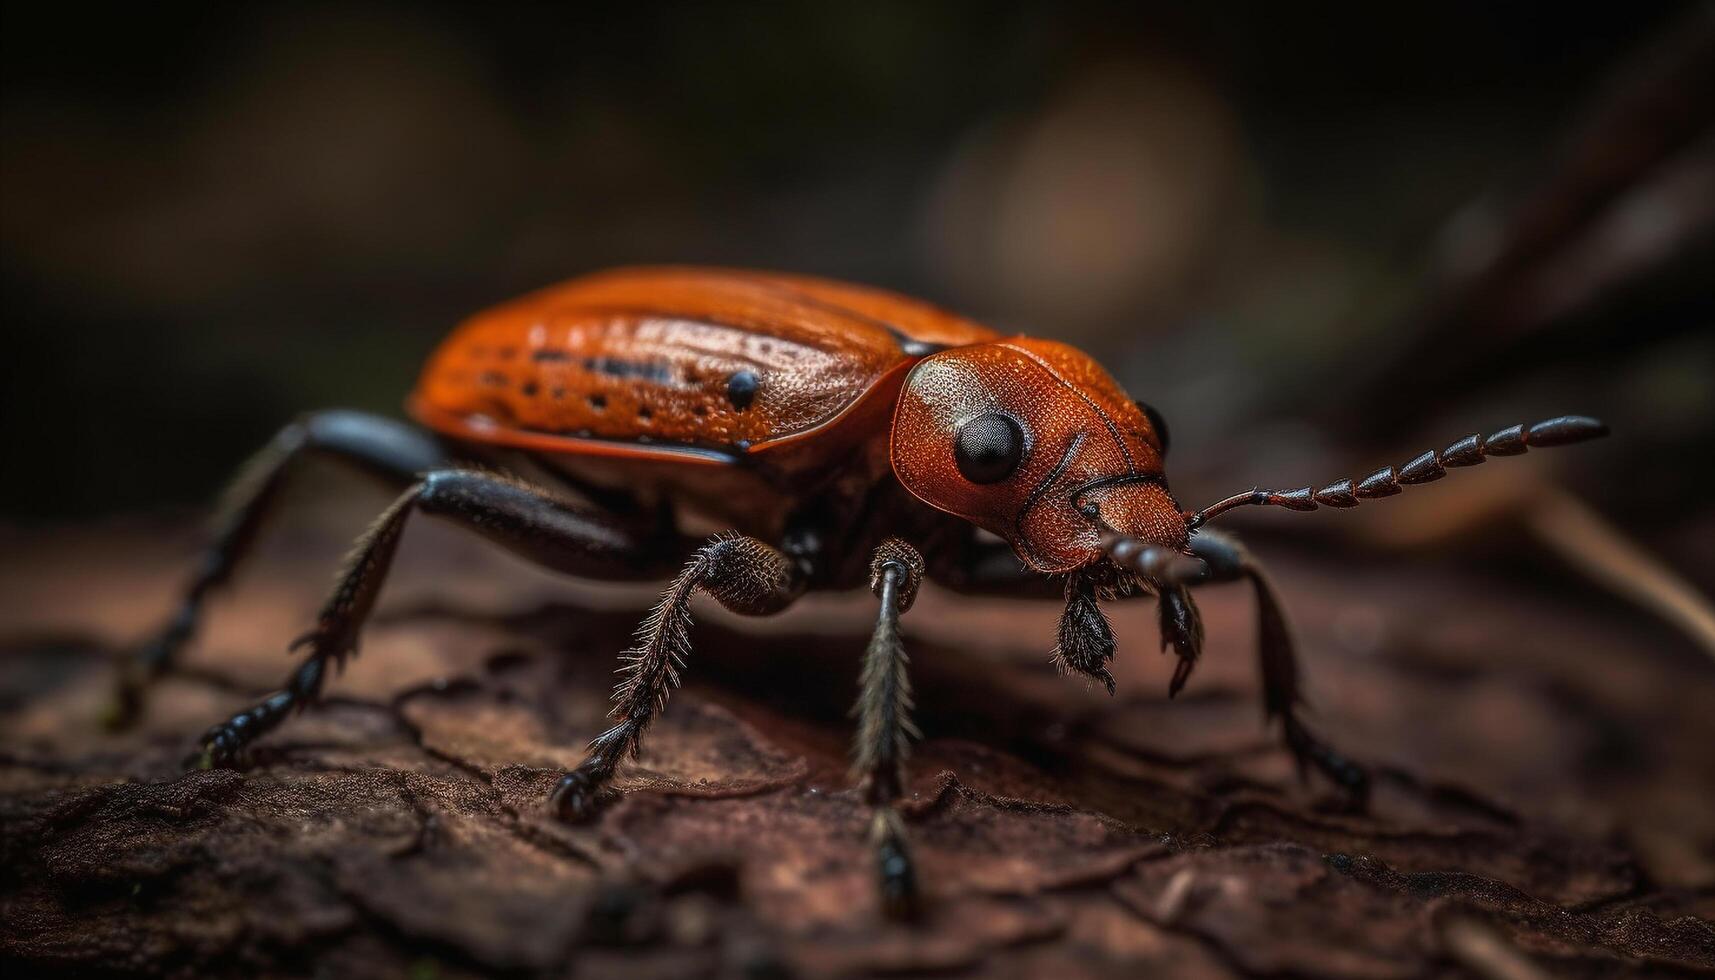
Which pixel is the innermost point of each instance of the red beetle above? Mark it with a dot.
(843, 434)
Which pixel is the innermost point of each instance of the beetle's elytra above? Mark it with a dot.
(841, 435)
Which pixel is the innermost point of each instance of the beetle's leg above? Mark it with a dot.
(1228, 561)
(885, 730)
(741, 573)
(393, 451)
(1084, 640)
(1182, 628)
(523, 518)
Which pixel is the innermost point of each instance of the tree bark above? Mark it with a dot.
(1544, 764)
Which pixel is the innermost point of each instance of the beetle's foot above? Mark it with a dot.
(582, 792)
(224, 745)
(1095, 672)
(896, 876)
(1352, 778)
(332, 641)
(579, 795)
(1101, 675)
(139, 670)
(126, 704)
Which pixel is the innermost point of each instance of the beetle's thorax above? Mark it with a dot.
(1087, 452)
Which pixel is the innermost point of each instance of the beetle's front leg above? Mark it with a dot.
(1182, 629)
(1228, 561)
(525, 519)
(1083, 639)
(741, 573)
(885, 730)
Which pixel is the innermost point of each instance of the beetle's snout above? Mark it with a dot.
(1138, 508)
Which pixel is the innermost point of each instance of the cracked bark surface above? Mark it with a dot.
(1545, 785)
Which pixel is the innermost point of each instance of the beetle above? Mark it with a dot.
(839, 436)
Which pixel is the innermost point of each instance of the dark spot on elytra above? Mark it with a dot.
(597, 402)
(741, 389)
(657, 371)
(550, 355)
(645, 413)
(494, 378)
(699, 410)
(529, 388)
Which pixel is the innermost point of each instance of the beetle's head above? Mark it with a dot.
(1032, 440)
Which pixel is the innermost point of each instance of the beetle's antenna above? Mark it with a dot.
(1513, 440)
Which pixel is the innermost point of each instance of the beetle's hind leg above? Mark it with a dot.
(529, 521)
(1228, 561)
(392, 451)
(885, 730)
(743, 574)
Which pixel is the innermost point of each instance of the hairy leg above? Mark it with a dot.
(523, 518)
(885, 730)
(1228, 561)
(741, 573)
(392, 451)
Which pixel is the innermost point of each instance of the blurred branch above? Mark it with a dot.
(1603, 553)
(1630, 194)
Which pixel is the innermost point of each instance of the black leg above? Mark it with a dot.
(744, 575)
(523, 518)
(1182, 627)
(390, 450)
(885, 730)
(1084, 641)
(1228, 561)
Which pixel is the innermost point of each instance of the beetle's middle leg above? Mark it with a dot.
(743, 574)
(531, 522)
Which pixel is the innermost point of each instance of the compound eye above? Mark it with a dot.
(988, 447)
(1157, 423)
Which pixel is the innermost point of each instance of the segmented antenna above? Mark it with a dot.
(1513, 440)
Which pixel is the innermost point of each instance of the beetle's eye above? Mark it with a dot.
(1157, 423)
(988, 447)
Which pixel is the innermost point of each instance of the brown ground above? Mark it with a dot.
(1545, 797)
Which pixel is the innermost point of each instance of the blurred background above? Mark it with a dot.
(1316, 241)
